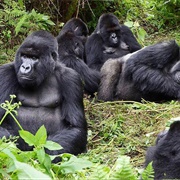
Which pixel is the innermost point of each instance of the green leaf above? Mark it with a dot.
(28, 137)
(52, 145)
(41, 136)
(141, 34)
(41, 155)
(20, 23)
(148, 173)
(47, 163)
(123, 169)
(25, 171)
(129, 24)
(74, 164)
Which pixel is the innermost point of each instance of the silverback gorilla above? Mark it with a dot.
(109, 40)
(50, 93)
(147, 73)
(166, 154)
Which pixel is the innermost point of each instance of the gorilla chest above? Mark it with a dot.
(40, 106)
(112, 52)
(46, 95)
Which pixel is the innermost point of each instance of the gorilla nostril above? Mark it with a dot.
(25, 68)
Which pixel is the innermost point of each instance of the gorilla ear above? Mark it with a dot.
(54, 56)
(175, 127)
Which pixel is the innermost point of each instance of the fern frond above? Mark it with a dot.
(20, 24)
(148, 173)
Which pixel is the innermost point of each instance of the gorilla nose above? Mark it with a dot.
(25, 68)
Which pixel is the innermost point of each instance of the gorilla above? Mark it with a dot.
(76, 26)
(109, 40)
(150, 73)
(175, 71)
(51, 95)
(71, 53)
(166, 154)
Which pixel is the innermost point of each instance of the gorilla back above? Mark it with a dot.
(50, 93)
(150, 73)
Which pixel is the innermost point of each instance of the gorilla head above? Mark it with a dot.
(76, 26)
(70, 44)
(35, 59)
(109, 28)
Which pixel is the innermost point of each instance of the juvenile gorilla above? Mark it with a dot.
(76, 26)
(50, 93)
(109, 40)
(165, 154)
(150, 73)
(71, 53)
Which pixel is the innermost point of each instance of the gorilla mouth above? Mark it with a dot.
(26, 78)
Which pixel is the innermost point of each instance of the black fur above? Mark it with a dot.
(76, 26)
(71, 53)
(50, 93)
(146, 74)
(109, 40)
(166, 154)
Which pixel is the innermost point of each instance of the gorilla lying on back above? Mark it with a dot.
(109, 40)
(166, 154)
(50, 93)
(71, 53)
(147, 73)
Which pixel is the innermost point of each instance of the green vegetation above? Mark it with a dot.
(118, 132)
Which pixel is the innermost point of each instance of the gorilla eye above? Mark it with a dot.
(24, 56)
(34, 58)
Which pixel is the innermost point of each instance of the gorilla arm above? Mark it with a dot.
(8, 86)
(73, 138)
(129, 39)
(149, 69)
(8, 81)
(94, 56)
(90, 77)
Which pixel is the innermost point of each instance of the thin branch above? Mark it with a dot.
(55, 8)
(90, 7)
(79, 1)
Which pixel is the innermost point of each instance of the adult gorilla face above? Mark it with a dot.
(35, 59)
(109, 28)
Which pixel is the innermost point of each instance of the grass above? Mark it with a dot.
(128, 128)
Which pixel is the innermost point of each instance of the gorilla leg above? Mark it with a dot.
(109, 79)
